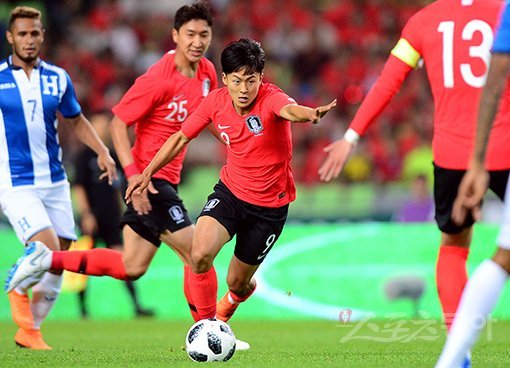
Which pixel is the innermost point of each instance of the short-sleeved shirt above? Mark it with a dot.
(158, 103)
(259, 145)
(30, 153)
(454, 39)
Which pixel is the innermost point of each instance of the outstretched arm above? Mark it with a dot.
(476, 180)
(166, 153)
(300, 113)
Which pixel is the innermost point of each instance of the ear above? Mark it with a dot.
(261, 76)
(175, 35)
(224, 78)
(8, 35)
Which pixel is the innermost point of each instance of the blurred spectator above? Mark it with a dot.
(419, 207)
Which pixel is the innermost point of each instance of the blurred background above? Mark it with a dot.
(316, 50)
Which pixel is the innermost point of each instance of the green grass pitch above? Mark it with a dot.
(156, 343)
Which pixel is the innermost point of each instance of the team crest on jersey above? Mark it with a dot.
(176, 214)
(254, 124)
(206, 87)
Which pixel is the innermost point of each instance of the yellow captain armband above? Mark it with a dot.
(405, 52)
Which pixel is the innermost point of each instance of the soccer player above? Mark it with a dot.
(485, 285)
(453, 38)
(251, 199)
(157, 104)
(34, 190)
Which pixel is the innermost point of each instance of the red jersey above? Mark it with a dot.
(453, 38)
(259, 145)
(158, 103)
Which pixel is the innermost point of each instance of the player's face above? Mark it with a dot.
(26, 38)
(243, 89)
(193, 39)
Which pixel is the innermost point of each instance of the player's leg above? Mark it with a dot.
(451, 272)
(209, 238)
(27, 214)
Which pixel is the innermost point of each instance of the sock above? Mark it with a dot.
(479, 299)
(94, 262)
(204, 291)
(235, 299)
(82, 299)
(44, 295)
(451, 277)
(187, 294)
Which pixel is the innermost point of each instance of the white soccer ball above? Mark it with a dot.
(210, 340)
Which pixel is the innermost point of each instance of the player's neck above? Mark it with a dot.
(26, 66)
(184, 66)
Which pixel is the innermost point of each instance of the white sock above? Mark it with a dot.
(44, 295)
(478, 300)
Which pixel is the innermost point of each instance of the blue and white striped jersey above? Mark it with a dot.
(30, 153)
(502, 41)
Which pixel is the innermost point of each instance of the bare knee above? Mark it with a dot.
(502, 258)
(201, 262)
(462, 239)
(134, 272)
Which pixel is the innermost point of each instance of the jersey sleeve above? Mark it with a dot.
(277, 100)
(139, 100)
(502, 41)
(200, 118)
(408, 48)
(69, 105)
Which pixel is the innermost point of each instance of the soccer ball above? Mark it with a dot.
(210, 340)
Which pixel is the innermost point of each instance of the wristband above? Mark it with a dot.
(351, 136)
(131, 170)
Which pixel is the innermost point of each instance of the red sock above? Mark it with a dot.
(204, 290)
(94, 262)
(451, 277)
(187, 293)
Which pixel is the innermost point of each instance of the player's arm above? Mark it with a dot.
(402, 61)
(86, 133)
(300, 113)
(476, 180)
(170, 149)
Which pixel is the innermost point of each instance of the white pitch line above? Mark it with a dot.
(301, 304)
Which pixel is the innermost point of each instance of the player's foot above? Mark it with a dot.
(225, 308)
(242, 345)
(145, 313)
(20, 310)
(30, 339)
(31, 264)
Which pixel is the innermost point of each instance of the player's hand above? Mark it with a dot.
(321, 111)
(137, 193)
(107, 165)
(338, 153)
(472, 188)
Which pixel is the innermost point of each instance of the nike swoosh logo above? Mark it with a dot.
(261, 256)
(178, 97)
(32, 261)
(50, 299)
(223, 126)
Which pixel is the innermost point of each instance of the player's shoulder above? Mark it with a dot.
(459, 8)
(47, 66)
(269, 89)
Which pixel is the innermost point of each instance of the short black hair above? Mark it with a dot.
(198, 10)
(243, 53)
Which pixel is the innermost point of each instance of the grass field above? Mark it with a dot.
(154, 343)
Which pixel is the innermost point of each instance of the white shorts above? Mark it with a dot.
(504, 232)
(31, 210)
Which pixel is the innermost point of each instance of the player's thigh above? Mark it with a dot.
(180, 241)
(138, 252)
(446, 186)
(25, 211)
(57, 201)
(209, 237)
